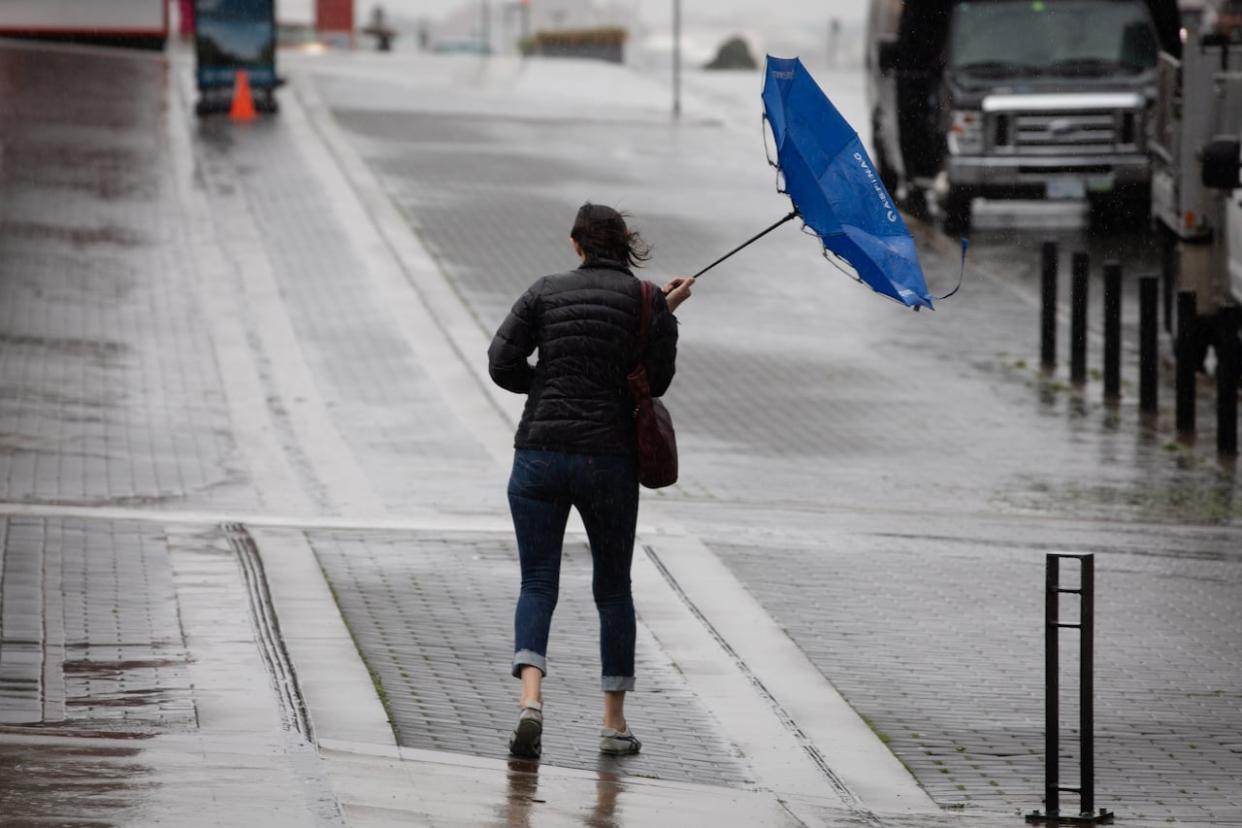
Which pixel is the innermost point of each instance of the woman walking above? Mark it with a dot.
(575, 446)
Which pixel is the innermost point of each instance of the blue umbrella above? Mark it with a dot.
(835, 188)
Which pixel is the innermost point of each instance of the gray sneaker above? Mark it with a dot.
(618, 742)
(527, 738)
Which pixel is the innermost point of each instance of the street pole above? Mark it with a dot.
(485, 27)
(676, 58)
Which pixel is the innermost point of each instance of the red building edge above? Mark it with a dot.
(334, 20)
(59, 27)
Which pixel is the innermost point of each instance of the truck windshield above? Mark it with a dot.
(1079, 38)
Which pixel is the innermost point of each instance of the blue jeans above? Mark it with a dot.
(604, 490)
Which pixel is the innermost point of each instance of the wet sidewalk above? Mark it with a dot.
(256, 555)
(885, 485)
(135, 686)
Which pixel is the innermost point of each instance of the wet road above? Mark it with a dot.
(784, 364)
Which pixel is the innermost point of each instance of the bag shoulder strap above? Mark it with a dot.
(646, 292)
(644, 323)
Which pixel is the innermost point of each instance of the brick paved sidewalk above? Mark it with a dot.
(131, 688)
(90, 635)
(108, 388)
(936, 636)
(433, 618)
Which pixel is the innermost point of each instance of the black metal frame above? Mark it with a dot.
(1087, 815)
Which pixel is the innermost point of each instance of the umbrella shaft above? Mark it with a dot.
(793, 215)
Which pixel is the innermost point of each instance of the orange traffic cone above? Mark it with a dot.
(243, 102)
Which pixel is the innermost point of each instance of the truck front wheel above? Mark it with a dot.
(888, 175)
(956, 207)
(1120, 212)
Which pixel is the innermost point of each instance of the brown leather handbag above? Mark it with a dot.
(657, 442)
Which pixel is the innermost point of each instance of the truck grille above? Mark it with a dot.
(1066, 133)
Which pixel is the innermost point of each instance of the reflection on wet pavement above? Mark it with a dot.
(521, 811)
(77, 784)
(429, 788)
(523, 794)
(63, 777)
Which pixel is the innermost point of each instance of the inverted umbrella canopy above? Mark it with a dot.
(835, 188)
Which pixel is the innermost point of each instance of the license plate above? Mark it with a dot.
(1100, 184)
(1066, 188)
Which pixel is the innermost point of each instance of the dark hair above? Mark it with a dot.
(601, 233)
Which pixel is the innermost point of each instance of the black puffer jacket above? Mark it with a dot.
(585, 325)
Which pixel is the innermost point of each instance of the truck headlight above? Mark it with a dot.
(965, 131)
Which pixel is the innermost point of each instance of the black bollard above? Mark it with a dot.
(1186, 316)
(1227, 380)
(1048, 308)
(1078, 318)
(1112, 330)
(1168, 275)
(1148, 375)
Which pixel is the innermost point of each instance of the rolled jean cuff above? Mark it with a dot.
(525, 658)
(611, 684)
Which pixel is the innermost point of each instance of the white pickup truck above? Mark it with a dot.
(1016, 99)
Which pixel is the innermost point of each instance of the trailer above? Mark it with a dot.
(1197, 117)
(140, 23)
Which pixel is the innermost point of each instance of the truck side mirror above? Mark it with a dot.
(886, 54)
(1222, 164)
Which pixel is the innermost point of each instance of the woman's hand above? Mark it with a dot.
(677, 291)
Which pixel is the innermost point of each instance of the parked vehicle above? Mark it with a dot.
(230, 37)
(142, 23)
(1192, 12)
(1195, 178)
(1233, 245)
(1015, 98)
(1226, 16)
